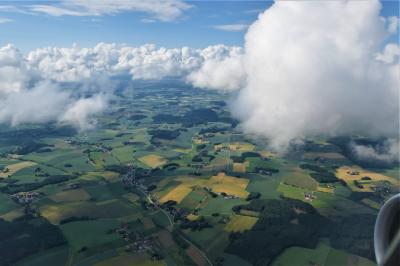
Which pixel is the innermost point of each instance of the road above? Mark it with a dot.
(173, 226)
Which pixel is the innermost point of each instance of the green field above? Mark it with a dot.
(169, 165)
(323, 254)
(90, 233)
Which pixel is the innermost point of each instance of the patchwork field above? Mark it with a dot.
(236, 200)
(153, 160)
(131, 259)
(239, 223)
(365, 178)
(107, 209)
(132, 197)
(301, 179)
(178, 193)
(13, 168)
(89, 233)
(240, 167)
(70, 195)
(241, 146)
(219, 183)
(321, 255)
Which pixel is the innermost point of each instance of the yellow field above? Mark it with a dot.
(241, 146)
(239, 223)
(371, 203)
(132, 197)
(230, 185)
(181, 150)
(240, 167)
(220, 183)
(91, 176)
(192, 217)
(267, 154)
(12, 168)
(70, 195)
(111, 176)
(344, 174)
(326, 189)
(153, 160)
(10, 216)
(200, 141)
(178, 193)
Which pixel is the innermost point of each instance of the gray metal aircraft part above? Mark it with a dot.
(387, 233)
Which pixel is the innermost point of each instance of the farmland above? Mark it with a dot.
(167, 178)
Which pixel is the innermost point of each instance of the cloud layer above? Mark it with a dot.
(52, 84)
(298, 76)
(317, 69)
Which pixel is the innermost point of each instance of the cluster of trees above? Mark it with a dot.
(196, 225)
(162, 134)
(243, 156)
(136, 117)
(12, 188)
(253, 196)
(213, 129)
(193, 117)
(76, 219)
(30, 146)
(170, 166)
(282, 225)
(22, 238)
(321, 174)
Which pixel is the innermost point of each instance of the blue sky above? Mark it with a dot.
(197, 26)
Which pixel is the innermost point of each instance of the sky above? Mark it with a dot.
(199, 24)
(294, 69)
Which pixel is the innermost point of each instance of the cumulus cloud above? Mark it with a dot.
(144, 62)
(52, 83)
(393, 24)
(311, 69)
(232, 27)
(388, 152)
(13, 71)
(27, 96)
(164, 10)
(40, 104)
(80, 113)
(221, 73)
(389, 54)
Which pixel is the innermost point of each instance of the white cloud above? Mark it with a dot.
(80, 113)
(145, 62)
(28, 96)
(393, 24)
(311, 70)
(163, 10)
(232, 27)
(226, 73)
(388, 152)
(13, 71)
(40, 104)
(299, 75)
(389, 54)
(30, 82)
(5, 20)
